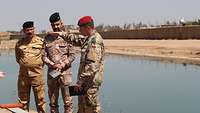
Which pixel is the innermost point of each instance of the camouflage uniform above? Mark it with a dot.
(28, 55)
(90, 73)
(57, 50)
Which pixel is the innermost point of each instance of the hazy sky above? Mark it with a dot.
(113, 12)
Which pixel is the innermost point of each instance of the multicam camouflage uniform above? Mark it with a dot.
(57, 50)
(28, 55)
(90, 73)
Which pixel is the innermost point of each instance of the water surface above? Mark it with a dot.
(131, 85)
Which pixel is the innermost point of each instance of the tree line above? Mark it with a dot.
(127, 26)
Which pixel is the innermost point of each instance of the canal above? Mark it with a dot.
(131, 85)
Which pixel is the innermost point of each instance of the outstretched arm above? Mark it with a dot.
(74, 39)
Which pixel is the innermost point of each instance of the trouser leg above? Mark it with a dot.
(53, 92)
(37, 82)
(40, 98)
(67, 100)
(89, 103)
(24, 90)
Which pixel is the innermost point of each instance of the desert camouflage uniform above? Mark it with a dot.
(90, 73)
(57, 50)
(28, 55)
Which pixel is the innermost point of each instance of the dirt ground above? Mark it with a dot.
(179, 51)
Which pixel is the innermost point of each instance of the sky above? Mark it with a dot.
(113, 12)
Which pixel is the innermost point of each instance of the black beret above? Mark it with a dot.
(28, 24)
(54, 17)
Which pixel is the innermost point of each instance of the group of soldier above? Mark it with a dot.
(56, 50)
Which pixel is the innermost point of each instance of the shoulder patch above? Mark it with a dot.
(39, 39)
(93, 40)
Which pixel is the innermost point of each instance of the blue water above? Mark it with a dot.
(131, 85)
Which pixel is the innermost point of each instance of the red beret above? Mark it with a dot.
(86, 21)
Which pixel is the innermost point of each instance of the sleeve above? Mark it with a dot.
(45, 58)
(88, 73)
(17, 52)
(92, 63)
(70, 56)
(75, 40)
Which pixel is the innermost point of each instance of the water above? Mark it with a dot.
(131, 85)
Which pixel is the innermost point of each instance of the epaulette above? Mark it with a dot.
(20, 41)
(93, 39)
(97, 39)
(39, 38)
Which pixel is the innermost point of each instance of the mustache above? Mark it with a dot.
(29, 33)
(57, 29)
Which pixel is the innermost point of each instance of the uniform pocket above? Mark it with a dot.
(92, 97)
(63, 48)
(36, 49)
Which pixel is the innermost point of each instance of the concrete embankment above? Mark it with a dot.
(180, 51)
(157, 33)
(7, 44)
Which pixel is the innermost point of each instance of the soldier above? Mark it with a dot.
(58, 55)
(90, 75)
(29, 57)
